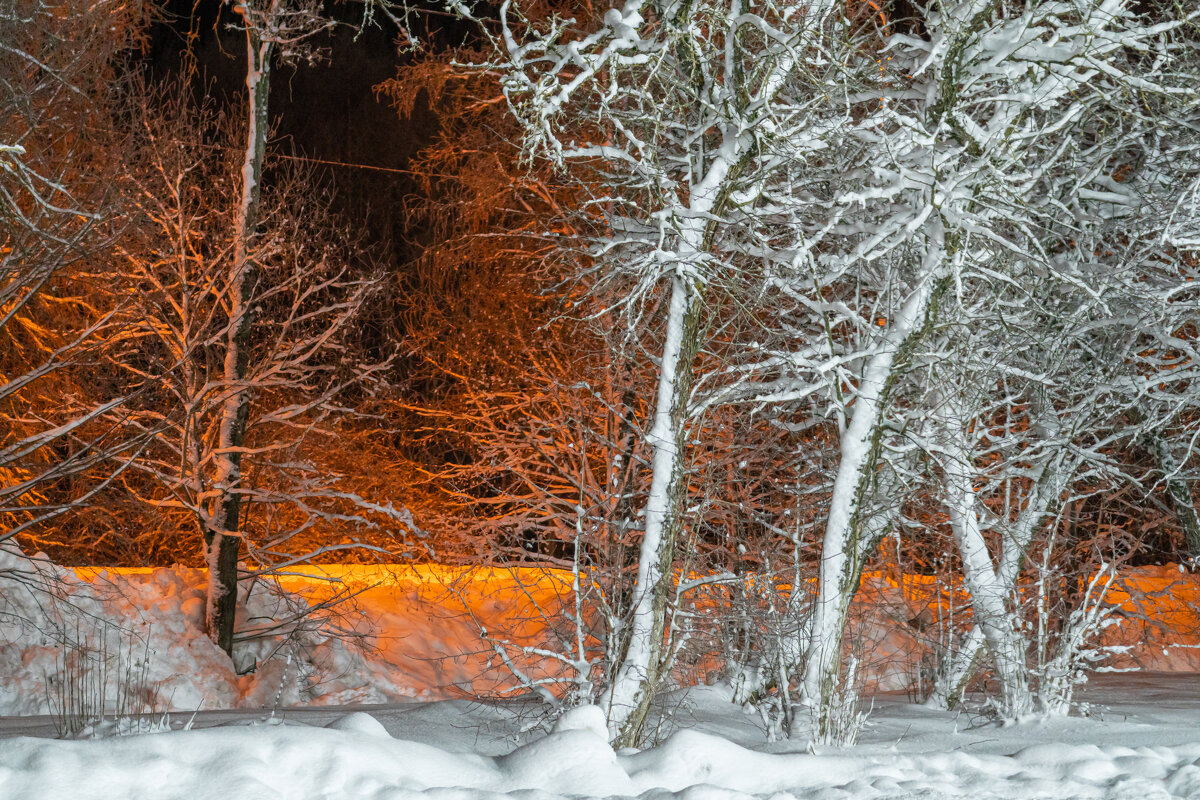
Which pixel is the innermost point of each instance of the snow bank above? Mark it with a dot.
(356, 759)
(421, 630)
(405, 632)
(897, 624)
(435, 628)
(1159, 608)
(149, 624)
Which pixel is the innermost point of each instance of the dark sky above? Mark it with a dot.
(328, 111)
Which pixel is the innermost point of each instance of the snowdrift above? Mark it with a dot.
(427, 631)
(356, 757)
(405, 632)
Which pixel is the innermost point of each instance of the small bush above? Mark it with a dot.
(101, 686)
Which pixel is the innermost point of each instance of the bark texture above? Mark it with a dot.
(223, 529)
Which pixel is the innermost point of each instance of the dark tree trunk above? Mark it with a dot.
(223, 535)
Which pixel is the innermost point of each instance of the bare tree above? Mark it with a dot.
(57, 63)
(297, 365)
(673, 152)
(274, 31)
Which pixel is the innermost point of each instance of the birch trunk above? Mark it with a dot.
(627, 700)
(848, 539)
(222, 531)
(956, 672)
(1050, 479)
(990, 594)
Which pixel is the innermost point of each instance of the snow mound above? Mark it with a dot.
(362, 723)
(145, 629)
(414, 632)
(299, 763)
(583, 718)
(574, 755)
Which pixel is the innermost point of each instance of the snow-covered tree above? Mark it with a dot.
(977, 138)
(1038, 380)
(1016, 109)
(300, 360)
(274, 31)
(1156, 224)
(846, 182)
(665, 110)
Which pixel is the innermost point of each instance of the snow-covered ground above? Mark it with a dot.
(1142, 742)
(317, 718)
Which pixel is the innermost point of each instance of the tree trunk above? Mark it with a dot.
(631, 690)
(627, 700)
(990, 594)
(996, 628)
(222, 534)
(1180, 497)
(956, 671)
(849, 535)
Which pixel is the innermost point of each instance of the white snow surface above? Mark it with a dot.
(1139, 748)
(156, 616)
